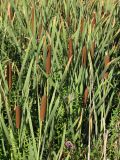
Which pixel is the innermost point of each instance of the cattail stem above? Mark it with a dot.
(9, 75)
(43, 107)
(18, 116)
(48, 60)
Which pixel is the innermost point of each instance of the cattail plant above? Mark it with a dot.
(85, 97)
(32, 19)
(92, 50)
(93, 20)
(82, 25)
(9, 74)
(43, 107)
(48, 60)
(106, 61)
(84, 55)
(70, 48)
(9, 12)
(106, 75)
(18, 116)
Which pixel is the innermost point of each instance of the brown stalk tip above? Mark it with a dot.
(48, 60)
(70, 48)
(106, 60)
(93, 20)
(82, 25)
(18, 116)
(92, 50)
(85, 96)
(84, 55)
(106, 74)
(43, 107)
(9, 75)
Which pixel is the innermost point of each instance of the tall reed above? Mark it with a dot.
(32, 18)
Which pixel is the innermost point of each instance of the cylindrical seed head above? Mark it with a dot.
(18, 116)
(106, 60)
(82, 26)
(84, 55)
(106, 74)
(48, 60)
(92, 50)
(93, 20)
(43, 107)
(70, 48)
(86, 92)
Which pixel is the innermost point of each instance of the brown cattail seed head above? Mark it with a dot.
(70, 48)
(106, 60)
(92, 50)
(9, 75)
(48, 60)
(93, 20)
(84, 55)
(85, 96)
(18, 116)
(43, 107)
(82, 25)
